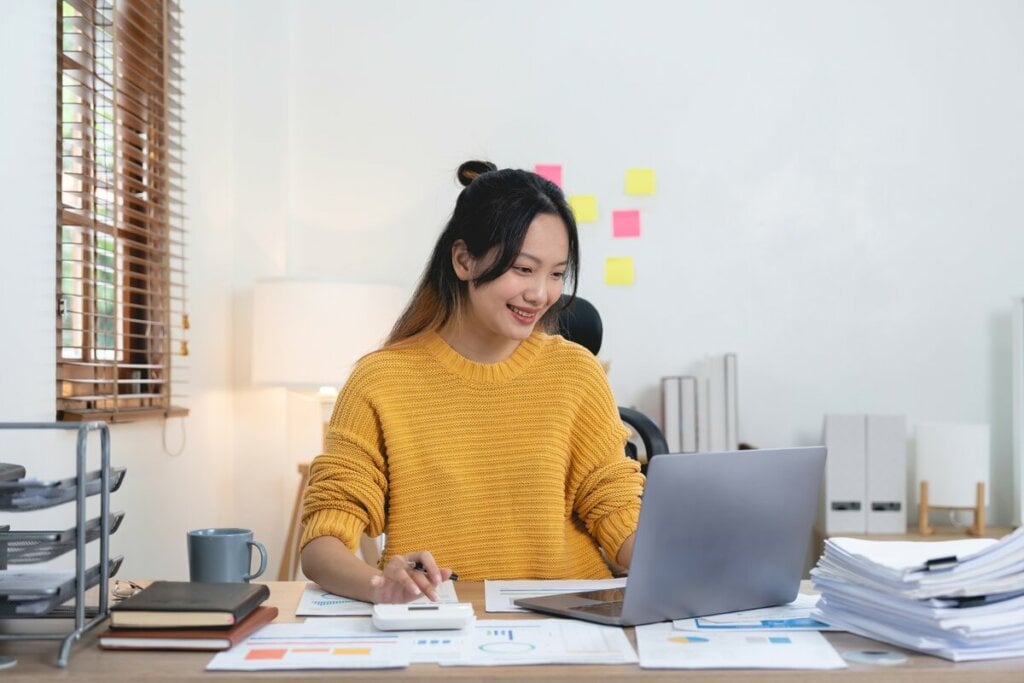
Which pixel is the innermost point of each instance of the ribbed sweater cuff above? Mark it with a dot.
(615, 528)
(341, 525)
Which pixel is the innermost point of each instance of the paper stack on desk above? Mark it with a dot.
(961, 600)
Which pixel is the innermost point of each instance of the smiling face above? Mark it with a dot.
(501, 313)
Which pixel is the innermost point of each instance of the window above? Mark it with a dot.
(122, 322)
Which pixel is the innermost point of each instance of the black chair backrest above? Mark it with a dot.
(581, 323)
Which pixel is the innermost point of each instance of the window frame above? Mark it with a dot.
(121, 276)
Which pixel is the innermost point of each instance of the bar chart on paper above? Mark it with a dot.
(663, 647)
(298, 646)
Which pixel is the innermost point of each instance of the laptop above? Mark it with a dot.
(718, 532)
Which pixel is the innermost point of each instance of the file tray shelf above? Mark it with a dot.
(32, 494)
(30, 547)
(37, 593)
(27, 593)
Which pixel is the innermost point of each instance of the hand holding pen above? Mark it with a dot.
(418, 566)
(407, 577)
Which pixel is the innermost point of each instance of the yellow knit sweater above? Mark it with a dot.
(509, 470)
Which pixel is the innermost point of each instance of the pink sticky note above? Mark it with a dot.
(626, 223)
(552, 172)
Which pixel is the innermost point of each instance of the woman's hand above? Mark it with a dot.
(407, 577)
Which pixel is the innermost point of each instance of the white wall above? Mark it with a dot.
(837, 204)
(837, 181)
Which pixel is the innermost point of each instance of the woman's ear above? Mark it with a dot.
(462, 261)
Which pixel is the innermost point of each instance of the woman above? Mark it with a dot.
(474, 439)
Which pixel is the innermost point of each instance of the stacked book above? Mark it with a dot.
(961, 600)
(700, 412)
(184, 615)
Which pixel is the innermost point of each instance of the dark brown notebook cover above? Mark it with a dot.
(187, 638)
(188, 604)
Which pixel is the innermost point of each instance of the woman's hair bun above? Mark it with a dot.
(469, 170)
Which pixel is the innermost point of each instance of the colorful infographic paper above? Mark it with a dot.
(279, 647)
(545, 641)
(662, 647)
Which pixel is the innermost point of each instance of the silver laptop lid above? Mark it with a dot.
(721, 532)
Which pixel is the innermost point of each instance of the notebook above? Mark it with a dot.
(188, 638)
(185, 604)
(718, 532)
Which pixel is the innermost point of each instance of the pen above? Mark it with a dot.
(419, 566)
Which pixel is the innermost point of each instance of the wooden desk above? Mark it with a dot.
(89, 663)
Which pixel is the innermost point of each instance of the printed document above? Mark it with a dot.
(663, 647)
(794, 616)
(316, 602)
(353, 643)
(544, 641)
(500, 594)
(277, 647)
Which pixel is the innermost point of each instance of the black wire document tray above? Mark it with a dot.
(37, 592)
(33, 494)
(27, 547)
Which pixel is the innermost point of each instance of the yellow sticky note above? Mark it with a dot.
(640, 181)
(618, 270)
(584, 207)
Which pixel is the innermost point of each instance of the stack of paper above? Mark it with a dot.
(962, 600)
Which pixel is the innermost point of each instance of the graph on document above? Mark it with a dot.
(507, 640)
(296, 646)
(546, 641)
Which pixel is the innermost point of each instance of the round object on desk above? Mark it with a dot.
(875, 657)
(7, 662)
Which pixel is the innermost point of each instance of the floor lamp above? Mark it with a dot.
(306, 336)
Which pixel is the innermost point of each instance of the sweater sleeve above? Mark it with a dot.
(606, 484)
(348, 482)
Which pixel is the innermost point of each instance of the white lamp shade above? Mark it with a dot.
(308, 334)
(953, 457)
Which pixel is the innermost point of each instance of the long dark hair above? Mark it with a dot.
(494, 210)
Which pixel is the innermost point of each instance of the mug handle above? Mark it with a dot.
(263, 560)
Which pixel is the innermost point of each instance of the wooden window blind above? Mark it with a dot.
(122, 321)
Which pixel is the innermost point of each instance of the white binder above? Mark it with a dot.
(688, 407)
(671, 412)
(843, 509)
(886, 474)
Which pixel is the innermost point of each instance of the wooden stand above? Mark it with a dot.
(977, 529)
(290, 563)
(369, 548)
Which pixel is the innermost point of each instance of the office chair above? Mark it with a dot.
(581, 323)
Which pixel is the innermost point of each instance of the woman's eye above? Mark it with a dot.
(525, 270)
(558, 276)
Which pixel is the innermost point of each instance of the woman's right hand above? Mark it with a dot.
(401, 580)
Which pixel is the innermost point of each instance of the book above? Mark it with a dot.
(714, 370)
(688, 408)
(188, 604)
(188, 638)
(732, 420)
(671, 412)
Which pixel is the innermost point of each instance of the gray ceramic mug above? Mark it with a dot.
(223, 555)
